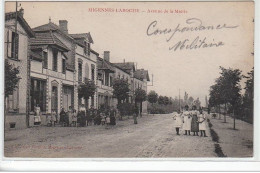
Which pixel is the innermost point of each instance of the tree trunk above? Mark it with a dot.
(225, 113)
(141, 108)
(219, 117)
(234, 118)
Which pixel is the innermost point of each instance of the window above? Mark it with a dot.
(111, 81)
(92, 72)
(87, 48)
(107, 79)
(80, 72)
(55, 60)
(13, 100)
(12, 42)
(38, 94)
(63, 66)
(45, 59)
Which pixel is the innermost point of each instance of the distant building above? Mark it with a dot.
(141, 78)
(17, 52)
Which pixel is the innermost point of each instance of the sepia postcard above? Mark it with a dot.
(128, 79)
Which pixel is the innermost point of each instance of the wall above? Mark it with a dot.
(22, 63)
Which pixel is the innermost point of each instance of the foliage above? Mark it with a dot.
(226, 89)
(86, 90)
(161, 100)
(126, 109)
(152, 97)
(121, 89)
(11, 78)
(140, 95)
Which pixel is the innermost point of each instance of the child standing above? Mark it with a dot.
(177, 122)
(202, 124)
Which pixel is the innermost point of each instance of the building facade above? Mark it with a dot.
(105, 82)
(85, 65)
(16, 52)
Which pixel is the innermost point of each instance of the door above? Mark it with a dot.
(54, 98)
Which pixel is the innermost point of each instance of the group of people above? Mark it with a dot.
(191, 121)
(83, 118)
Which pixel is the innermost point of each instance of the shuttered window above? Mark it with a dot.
(55, 60)
(63, 66)
(12, 41)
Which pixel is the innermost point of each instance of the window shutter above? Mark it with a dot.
(9, 44)
(16, 46)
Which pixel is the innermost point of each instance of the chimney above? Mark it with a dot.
(63, 24)
(107, 56)
(124, 61)
(21, 11)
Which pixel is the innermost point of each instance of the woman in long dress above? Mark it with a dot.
(177, 122)
(194, 121)
(202, 124)
(186, 120)
(70, 114)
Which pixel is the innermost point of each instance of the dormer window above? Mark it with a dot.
(87, 48)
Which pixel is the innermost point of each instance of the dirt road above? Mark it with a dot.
(153, 136)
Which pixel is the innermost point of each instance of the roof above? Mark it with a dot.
(91, 50)
(22, 21)
(47, 38)
(82, 35)
(51, 27)
(104, 65)
(141, 74)
(126, 65)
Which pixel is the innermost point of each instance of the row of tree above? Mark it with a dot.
(226, 92)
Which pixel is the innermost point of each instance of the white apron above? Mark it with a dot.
(187, 121)
(202, 121)
(177, 121)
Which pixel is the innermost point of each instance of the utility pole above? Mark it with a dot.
(179, 100)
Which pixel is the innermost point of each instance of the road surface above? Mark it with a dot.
(153, 137)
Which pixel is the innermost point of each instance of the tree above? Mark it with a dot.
(248, 99)
(11, 81)
(166, 100)
(11, 78)
(121, 92)
(121, 89)
(160, 100)
(227, 89)
(197, 103)
(86, 90)
(140, 96)
(152, 97)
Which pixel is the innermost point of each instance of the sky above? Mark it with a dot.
(124, 34)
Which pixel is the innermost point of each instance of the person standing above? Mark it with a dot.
(177, 122)
(202, 123)
(70, 115)
(74, 118)
(53, 117)
(37, 117)
(194, 122)
(62, 116)
(186, 120)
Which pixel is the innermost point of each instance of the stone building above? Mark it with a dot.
(16, 52)
(85, 64)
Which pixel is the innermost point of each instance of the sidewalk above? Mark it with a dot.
(234, 143)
